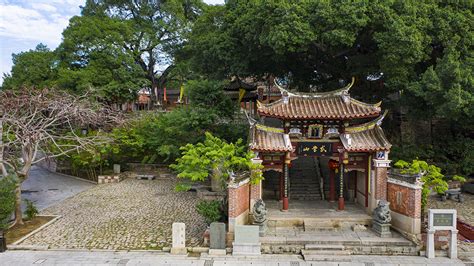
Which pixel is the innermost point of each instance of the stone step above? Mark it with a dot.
(305, 191)
(341, 258)
(376, 246)
(325, 252)
(303, 194)
(323, 247)
(302, 182)
(305, 186)
(296, 191)
(312, 195)
(322, 229)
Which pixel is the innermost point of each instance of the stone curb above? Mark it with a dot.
(16, 243)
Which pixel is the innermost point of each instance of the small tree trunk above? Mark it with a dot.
(2, 165)
(18, 212)
(216, 180)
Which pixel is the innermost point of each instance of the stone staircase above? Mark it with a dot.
(318, 245)
(305, 179)
(331, 234)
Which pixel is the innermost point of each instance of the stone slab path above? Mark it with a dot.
(130, 215)
(46, 188)
(159, 258)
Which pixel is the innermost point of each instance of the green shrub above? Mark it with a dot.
(181, 187)
(459, 178)
(7, 200)
(31, 210)
(215, 158)
(431, 177)
(210, 210)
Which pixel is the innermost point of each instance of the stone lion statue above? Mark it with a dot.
(382, 212)
(259, 212)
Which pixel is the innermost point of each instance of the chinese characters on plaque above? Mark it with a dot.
(314, 148)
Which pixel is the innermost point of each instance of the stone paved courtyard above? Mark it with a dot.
(131, 215)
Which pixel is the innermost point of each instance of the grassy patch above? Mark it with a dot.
(18, 231)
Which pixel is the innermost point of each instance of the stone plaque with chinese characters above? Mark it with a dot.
(314, 148)
(443, 219)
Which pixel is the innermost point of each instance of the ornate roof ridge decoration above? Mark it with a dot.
(366, 126)
(338, 92)
(354, 101)
(327, 105)
(269, 129)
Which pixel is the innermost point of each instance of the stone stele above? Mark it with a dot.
(218, 239)
(246, 240)
(179, 239)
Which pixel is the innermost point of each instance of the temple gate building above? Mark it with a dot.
(326, 127)
(319, 147)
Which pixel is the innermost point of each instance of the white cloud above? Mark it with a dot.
(44, 7)
(24, 24)
(28, 24)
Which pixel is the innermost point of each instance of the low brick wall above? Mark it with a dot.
(239, 203)
(103, 179)
(405, 204)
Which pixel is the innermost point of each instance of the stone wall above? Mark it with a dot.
(405, 204)
(239, 203)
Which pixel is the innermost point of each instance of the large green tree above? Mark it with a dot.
(124, 45)
(321, 42)
(415, 56)
(32, 68)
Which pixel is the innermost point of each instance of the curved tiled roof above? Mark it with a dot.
(366, 137)
(327, 107)
(269, 139)
(323, 105)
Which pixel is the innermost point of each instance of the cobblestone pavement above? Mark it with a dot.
(159, 258)
(130, 215)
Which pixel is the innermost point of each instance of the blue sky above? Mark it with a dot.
(24, 24)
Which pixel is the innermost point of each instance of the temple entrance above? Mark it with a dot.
(271, 186)
(306, 181)
(311, 183)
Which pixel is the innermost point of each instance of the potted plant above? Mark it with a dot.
(456, 182)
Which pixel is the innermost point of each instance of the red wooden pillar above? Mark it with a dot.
(341, 189)
(332, 186)
(285, 202)
(281, 186)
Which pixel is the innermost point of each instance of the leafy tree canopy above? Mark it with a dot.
(119, 45)
(321, 42)
(209, 94)
(32, 68)
(215, 156)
